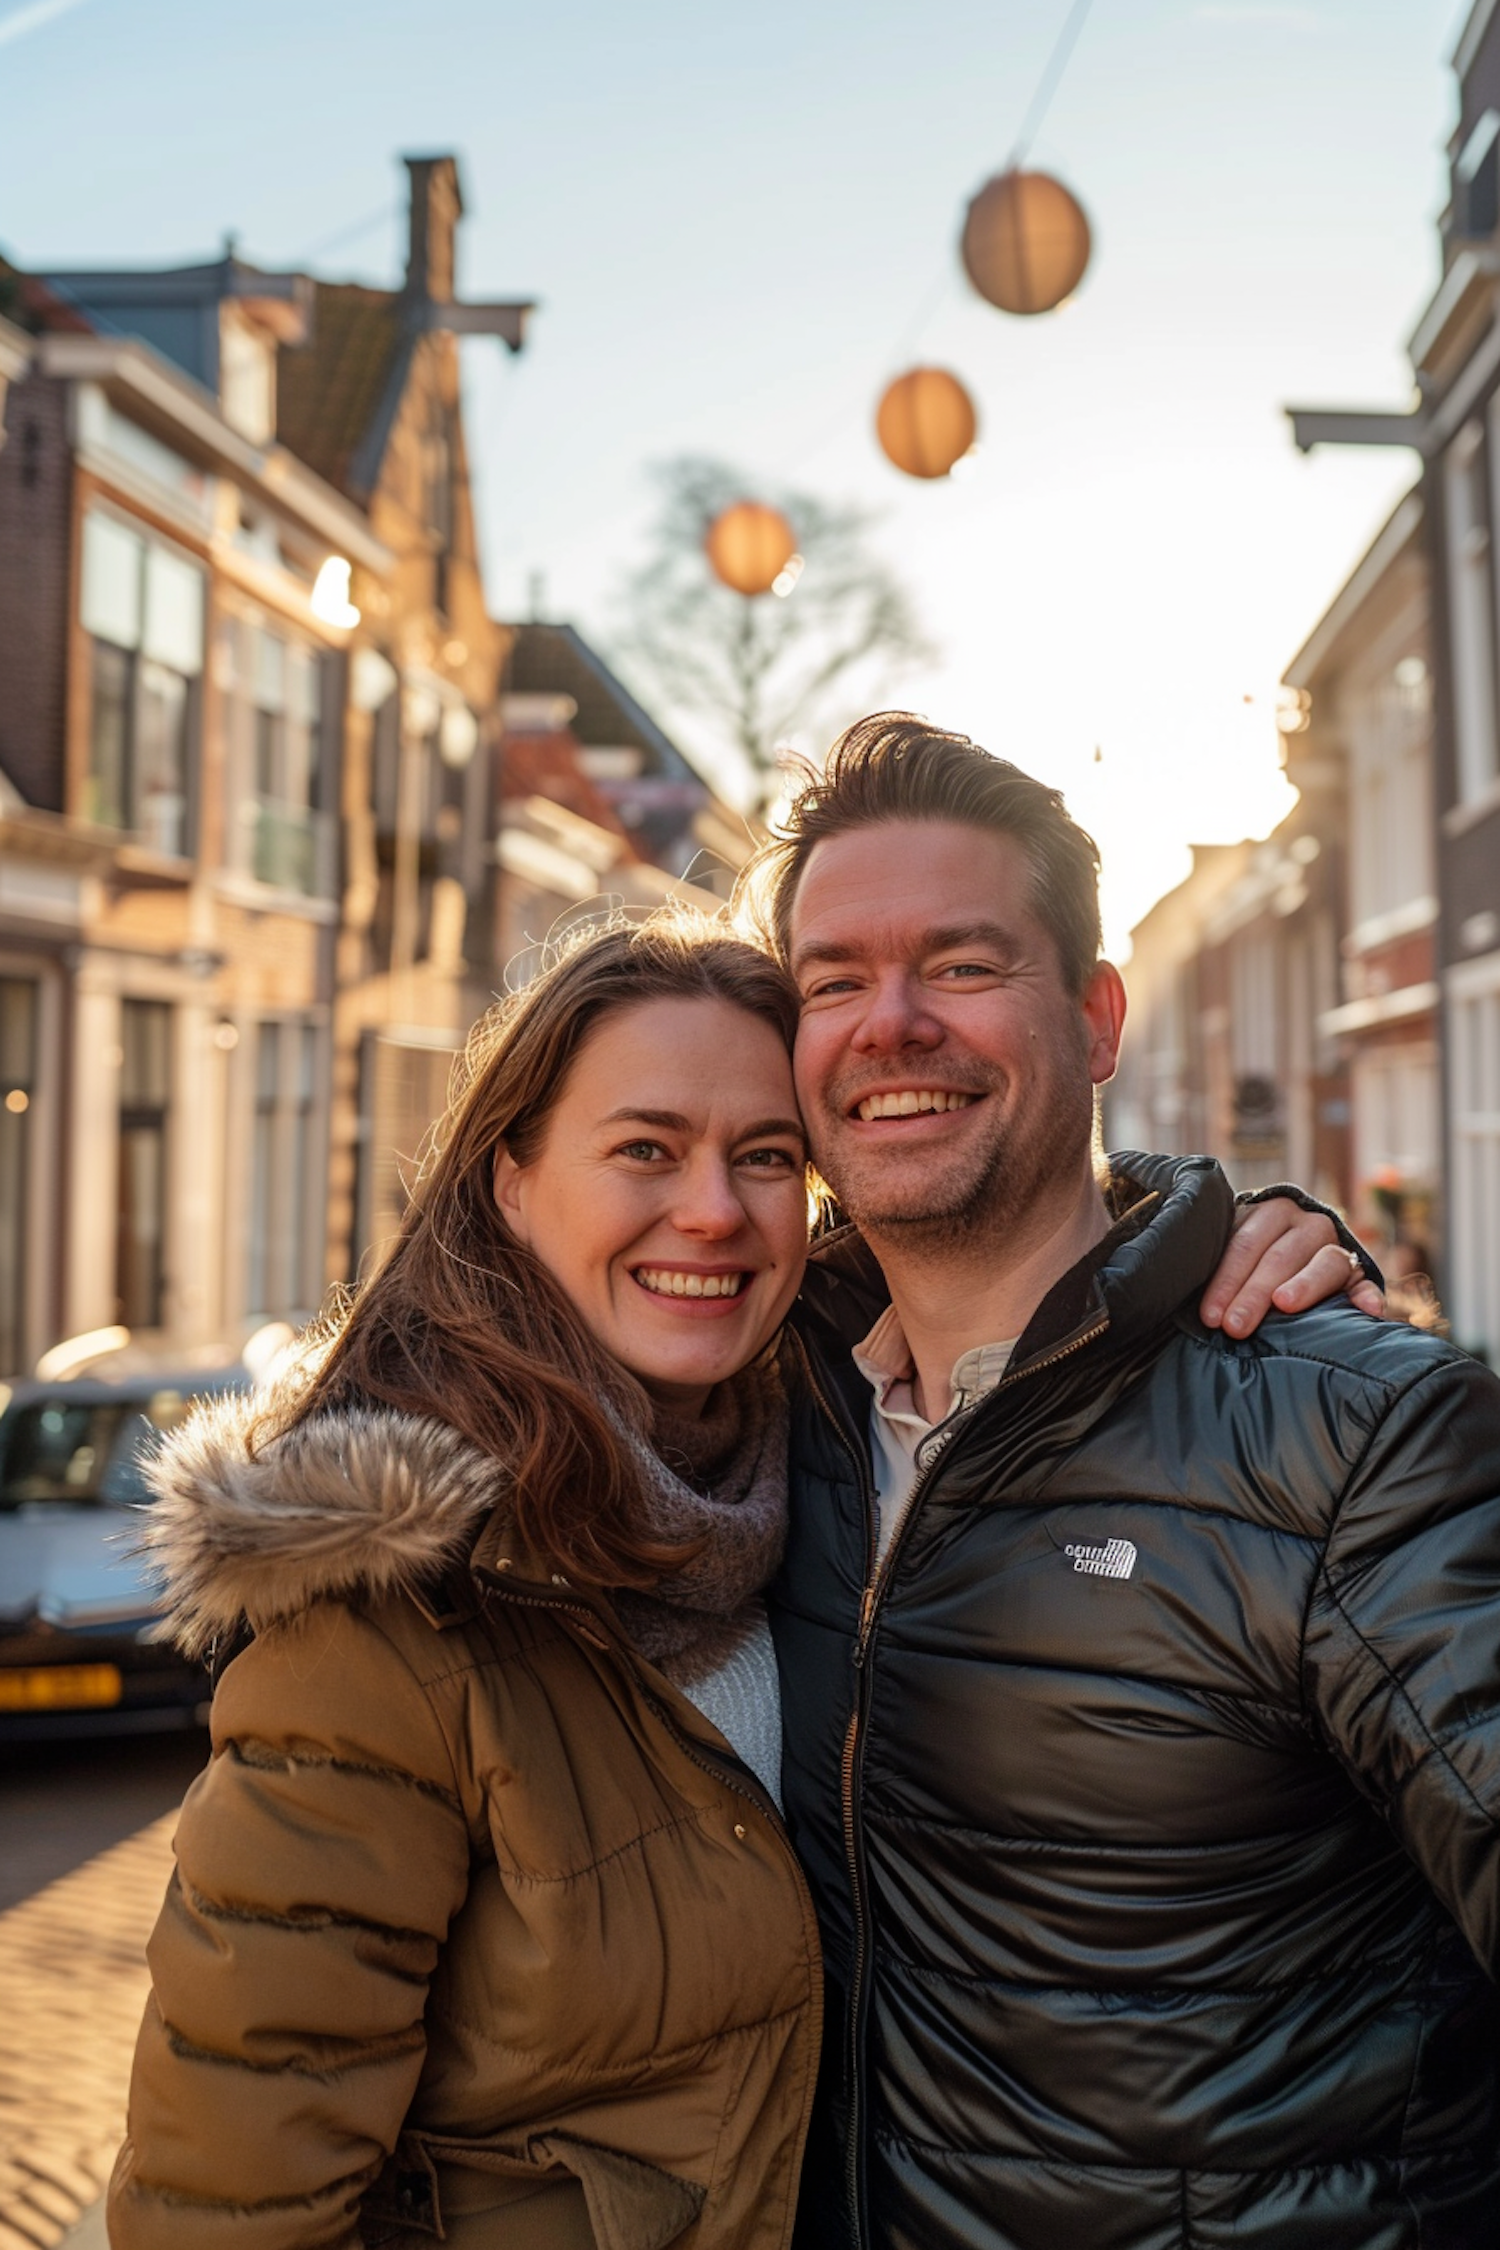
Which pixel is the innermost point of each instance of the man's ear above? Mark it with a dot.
(1104, 1020)
(509, 1179)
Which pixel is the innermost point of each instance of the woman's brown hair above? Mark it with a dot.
(463, 1323)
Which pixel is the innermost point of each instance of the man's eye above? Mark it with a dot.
(829, 988)
(968, 969)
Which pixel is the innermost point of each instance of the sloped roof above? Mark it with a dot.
(331, 391)
(557, 660)
(546, 765)
(36, 308)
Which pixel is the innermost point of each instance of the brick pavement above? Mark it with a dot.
(72, 1986)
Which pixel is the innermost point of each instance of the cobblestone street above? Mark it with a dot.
(72, 1985)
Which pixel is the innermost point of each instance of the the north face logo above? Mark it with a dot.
(1115, 1559)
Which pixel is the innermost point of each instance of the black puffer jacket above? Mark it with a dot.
(1153, 1805)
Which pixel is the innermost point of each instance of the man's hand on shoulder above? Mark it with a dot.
(1283, 1257)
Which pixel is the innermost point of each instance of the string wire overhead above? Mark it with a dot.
(1047, 85)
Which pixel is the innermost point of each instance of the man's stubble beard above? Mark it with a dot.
(965, 1206)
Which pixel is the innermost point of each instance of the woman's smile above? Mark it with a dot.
(692, 1287)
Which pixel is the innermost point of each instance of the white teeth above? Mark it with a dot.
(665, 1283)
(910, 1104)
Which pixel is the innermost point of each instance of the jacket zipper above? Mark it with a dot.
(854, 2124)
(878, 1580)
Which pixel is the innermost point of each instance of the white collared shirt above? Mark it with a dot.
(898, 1433)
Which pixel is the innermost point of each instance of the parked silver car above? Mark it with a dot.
(78, 1608)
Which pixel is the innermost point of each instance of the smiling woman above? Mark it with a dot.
(668, 1196)
(487, 1923)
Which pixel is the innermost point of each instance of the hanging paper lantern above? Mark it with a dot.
(925, 422)
(749, 545)
(1025, 242)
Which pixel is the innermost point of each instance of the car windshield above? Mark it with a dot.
(65, 1449)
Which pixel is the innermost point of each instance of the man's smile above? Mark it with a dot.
(909, 1101)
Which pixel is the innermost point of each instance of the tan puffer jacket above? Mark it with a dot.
(478, 1931)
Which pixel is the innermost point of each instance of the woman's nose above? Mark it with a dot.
(708, 1203)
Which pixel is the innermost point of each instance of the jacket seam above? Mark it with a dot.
(278, 1760)
(178, 2199)
(1398, 1687)
(1256, 1354)
(1322, 1573)
(1076, 1848)
(521, 1876)
(315, 1924)
(425, 1691)
(1174, 1502)
(627, 2072)
(372, 2055)
(1118, 1998)
(1085, 2164)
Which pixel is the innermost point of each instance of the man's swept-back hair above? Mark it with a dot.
(464, 1323)
(895, 767)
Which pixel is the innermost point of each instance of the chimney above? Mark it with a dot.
(437, 205)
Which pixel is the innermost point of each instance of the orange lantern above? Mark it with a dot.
(1025, 242)
(748, 545)
(925, 422)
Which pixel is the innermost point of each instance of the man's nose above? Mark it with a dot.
(896, 1015)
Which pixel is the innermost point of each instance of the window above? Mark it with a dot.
(247, 377)
(1474, 1093)
(403, 1086)
(18, 1026)
(1476, 179)
(1389, 732)
(282, 753)
(284, 1268)
(141, 1210)
(1472, 583)
(142, 606)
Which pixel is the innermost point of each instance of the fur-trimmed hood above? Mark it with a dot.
(365, 1501)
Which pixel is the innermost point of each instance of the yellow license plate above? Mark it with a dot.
(60, 1687)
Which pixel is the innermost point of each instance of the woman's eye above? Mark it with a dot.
(640, 1152)
(774, 1160)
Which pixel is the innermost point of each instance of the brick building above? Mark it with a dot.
(170, 741)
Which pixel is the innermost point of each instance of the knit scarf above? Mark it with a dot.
(723, 1480)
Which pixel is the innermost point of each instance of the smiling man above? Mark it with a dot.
(1143, 1685)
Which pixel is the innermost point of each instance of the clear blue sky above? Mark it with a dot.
(732, 217)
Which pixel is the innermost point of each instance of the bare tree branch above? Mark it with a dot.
(755, 669)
